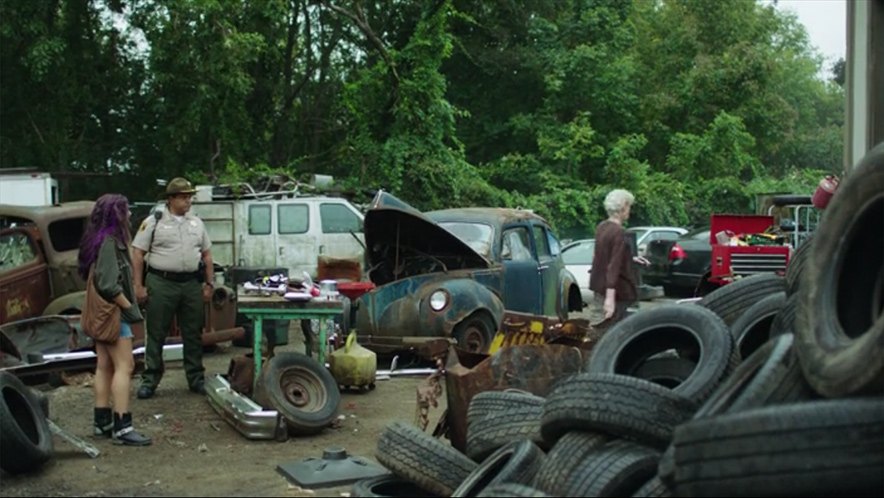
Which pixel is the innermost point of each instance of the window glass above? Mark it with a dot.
(338, 218)
(579, 254)
(294, 218)
(477, 235)
(540, 241)
(666, 236)
(639, 232)
(555, 247)
(15, 251)
(516, 245)
(65, 235)
(259, 219)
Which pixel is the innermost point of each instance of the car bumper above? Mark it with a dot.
(247, 417)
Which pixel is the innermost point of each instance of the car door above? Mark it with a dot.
(296, 242)
(522, 280)
(256, 245)
(340, 226)
(548, 268)
(24, 277)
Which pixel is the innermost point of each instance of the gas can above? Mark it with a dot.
(824, 191)
(353, 365)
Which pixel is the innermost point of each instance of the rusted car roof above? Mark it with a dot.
(45, 218)
(502, 216)
(40, 215)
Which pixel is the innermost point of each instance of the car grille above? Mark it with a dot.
(750, 264)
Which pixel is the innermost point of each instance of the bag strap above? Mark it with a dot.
(156, 216)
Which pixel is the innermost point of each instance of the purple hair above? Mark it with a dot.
(108, 219)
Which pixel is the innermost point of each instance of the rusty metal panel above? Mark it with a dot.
(532, 368)
(24, 276)
(523, 328)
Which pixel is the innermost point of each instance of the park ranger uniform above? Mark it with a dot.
(175, 290)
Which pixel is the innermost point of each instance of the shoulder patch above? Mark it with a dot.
(143, 226)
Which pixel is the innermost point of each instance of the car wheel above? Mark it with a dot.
(475, 333)
(301, 390)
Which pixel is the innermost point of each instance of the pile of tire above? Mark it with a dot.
(769, 386)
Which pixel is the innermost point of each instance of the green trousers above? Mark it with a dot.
(168, 300)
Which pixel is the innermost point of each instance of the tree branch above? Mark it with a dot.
(358, 17)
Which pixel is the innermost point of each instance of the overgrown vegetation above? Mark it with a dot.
(694, 105)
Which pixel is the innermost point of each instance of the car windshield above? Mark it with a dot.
(478, 236)
(579, 254)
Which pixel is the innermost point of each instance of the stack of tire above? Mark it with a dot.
(769, 386)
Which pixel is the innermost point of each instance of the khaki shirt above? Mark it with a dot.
(177, 245)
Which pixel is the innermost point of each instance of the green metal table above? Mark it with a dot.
(260, 308)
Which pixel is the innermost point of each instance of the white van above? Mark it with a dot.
(288, 232)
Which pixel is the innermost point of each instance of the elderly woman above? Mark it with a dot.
(612, 278)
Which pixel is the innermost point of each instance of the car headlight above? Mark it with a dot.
(438, 300)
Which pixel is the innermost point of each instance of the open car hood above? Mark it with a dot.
(402, 242)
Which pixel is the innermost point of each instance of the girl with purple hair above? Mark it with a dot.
(104, 250)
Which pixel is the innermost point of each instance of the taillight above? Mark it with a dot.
(676, 253)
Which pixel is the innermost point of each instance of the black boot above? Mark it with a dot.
(125, 434)
(104, 422)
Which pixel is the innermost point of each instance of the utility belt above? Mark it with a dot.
(175, 276)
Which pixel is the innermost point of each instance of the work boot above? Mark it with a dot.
(198, 387)
(104, 422)
(125, 434)
(145, 392)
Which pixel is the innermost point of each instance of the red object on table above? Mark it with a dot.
(354, 289)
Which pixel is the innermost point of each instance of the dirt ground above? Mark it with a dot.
(194, 451)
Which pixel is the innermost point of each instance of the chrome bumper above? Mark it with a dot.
(247, 417)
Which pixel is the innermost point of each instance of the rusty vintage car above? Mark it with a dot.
(38, 259)
(452, 273)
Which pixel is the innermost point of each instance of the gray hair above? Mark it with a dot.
(617, 200)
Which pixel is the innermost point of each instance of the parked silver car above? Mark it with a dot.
(645, 235)
(577, 256)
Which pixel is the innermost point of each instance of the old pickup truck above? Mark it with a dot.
(38, 259)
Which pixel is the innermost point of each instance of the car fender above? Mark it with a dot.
(402, 308)
(569, 298)
(68, 304)
(467, 296)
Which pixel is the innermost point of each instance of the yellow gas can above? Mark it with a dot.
(353, 366)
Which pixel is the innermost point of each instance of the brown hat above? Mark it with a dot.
(179, 186)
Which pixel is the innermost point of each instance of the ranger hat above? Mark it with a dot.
(179, 186)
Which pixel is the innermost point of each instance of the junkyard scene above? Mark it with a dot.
(442, 248)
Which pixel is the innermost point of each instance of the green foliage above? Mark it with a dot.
(694, 106)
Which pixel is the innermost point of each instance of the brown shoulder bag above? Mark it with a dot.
(101, 318)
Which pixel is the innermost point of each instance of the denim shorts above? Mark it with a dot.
(125, 331)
